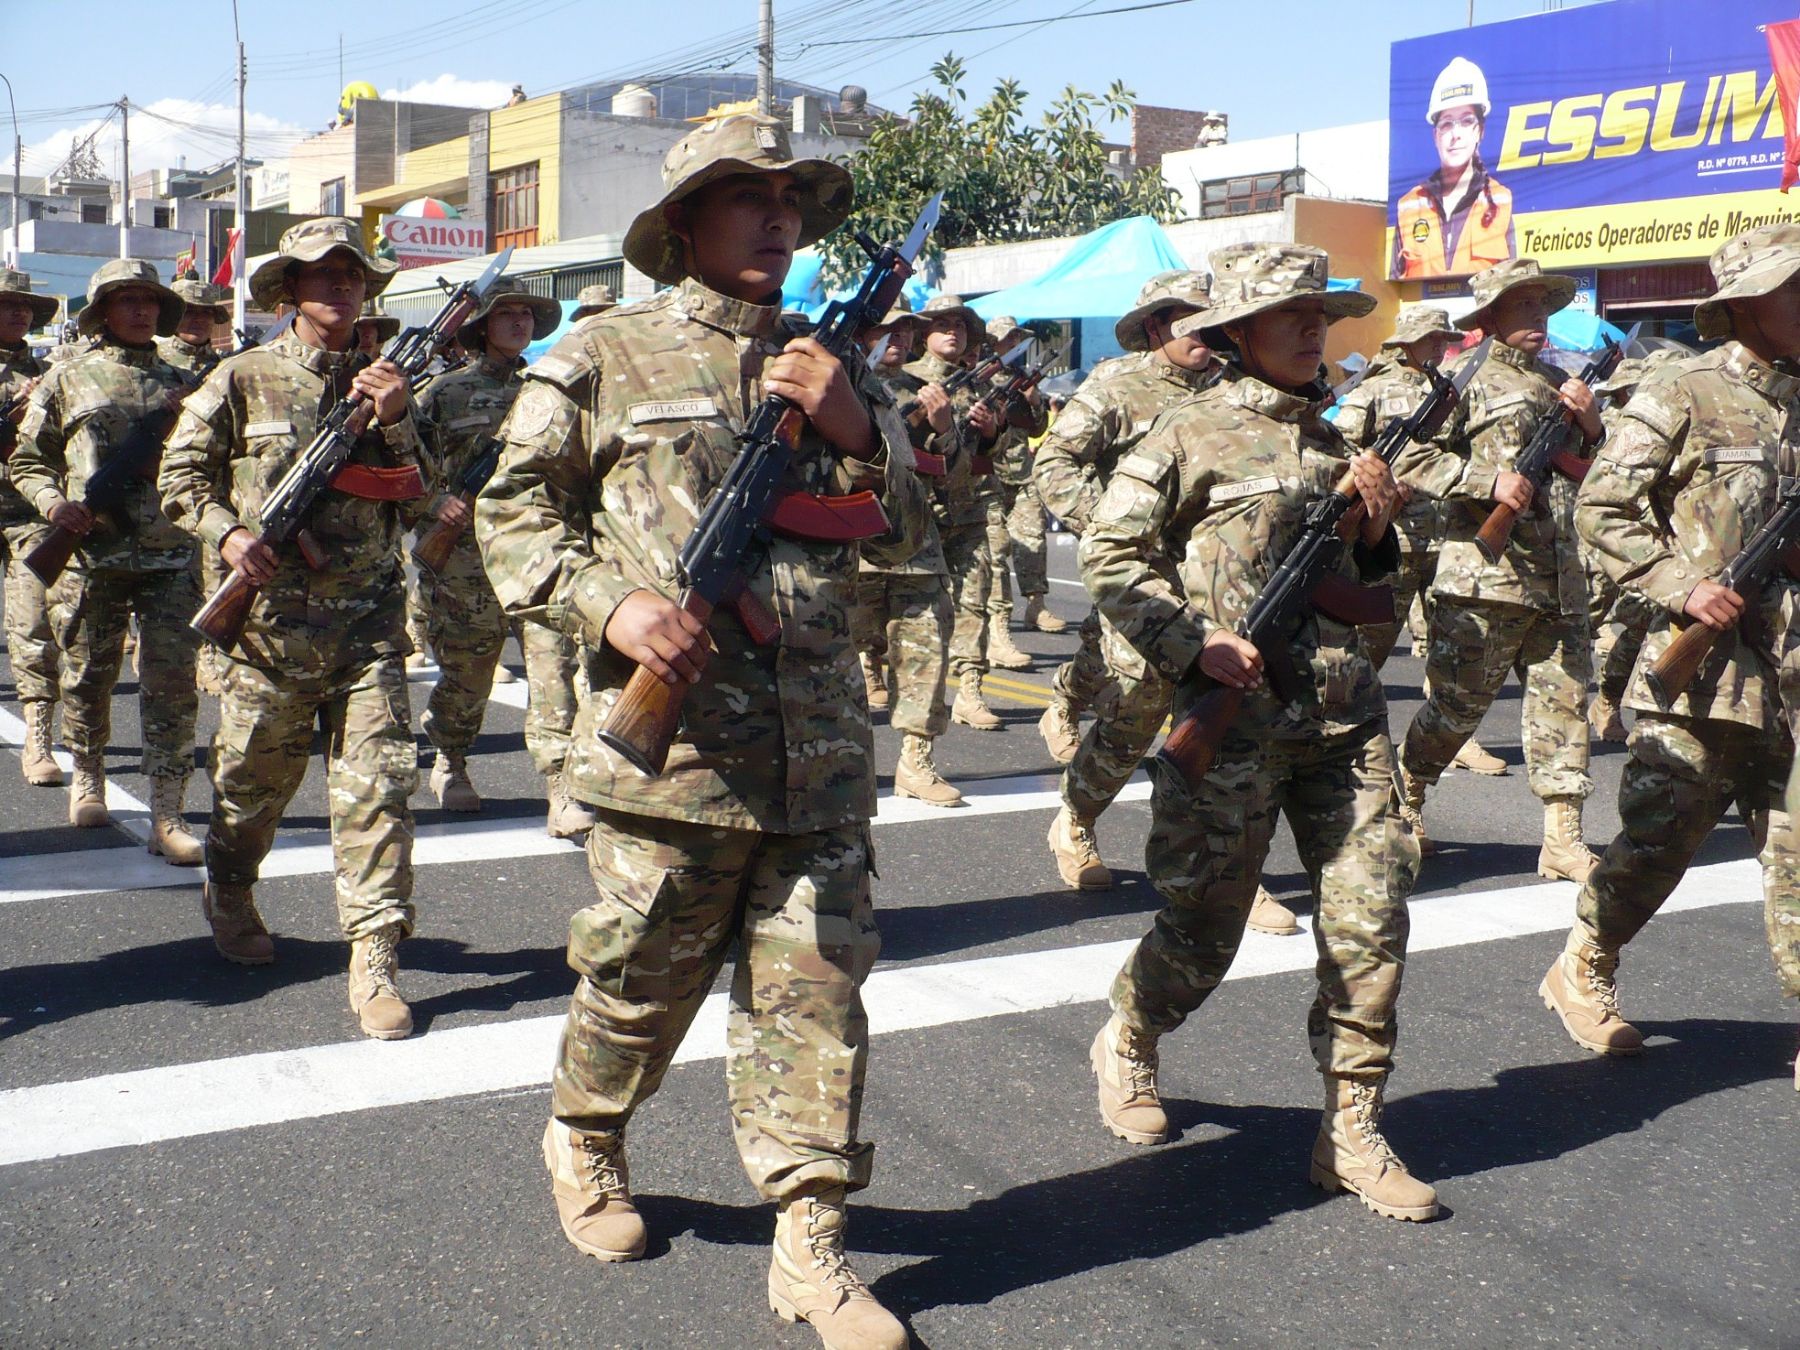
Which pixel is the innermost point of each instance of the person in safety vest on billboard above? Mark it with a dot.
(1458, 221)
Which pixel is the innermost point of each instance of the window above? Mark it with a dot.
(163, 217)
(1246, 196)
(93, 213)
(331, 197)
(513, 208)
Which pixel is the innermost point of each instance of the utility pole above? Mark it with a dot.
(765, 62)
(12, 254)
(238, 249)
(124, 178)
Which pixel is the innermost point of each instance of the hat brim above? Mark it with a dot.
(43, 307)
(546, 314)
(1712, 318)
(1407, 339)
(974, 326)
(1562, 291)
(828, 194)
(169, 307)
(1338, 305)
(1129, 333)
(268, 283)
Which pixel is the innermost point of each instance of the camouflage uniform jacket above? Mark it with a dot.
(238, 435)
(78, 414)
(1393, 390)
(190, 360)
(1222, 483)
(18, 368)
(1107, 416)
(927, 558)
(458, 412)
(961, 496)
(618, 438)
(1541, 567)
(1012, 452)
(1690, 476)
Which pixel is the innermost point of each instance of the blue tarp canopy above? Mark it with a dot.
(543, 345)
(804, 289)
(1098, 278)
(1576, 330)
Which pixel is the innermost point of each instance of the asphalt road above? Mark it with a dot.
(195, 1154)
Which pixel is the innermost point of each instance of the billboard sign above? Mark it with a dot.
(419, 242)
(1629, 132)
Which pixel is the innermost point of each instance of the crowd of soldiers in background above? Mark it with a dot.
(1181, 466)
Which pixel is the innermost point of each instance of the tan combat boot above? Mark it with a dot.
(1077, 853)
(1002, 651)
(1476, 760)
(916, 775)
(1351, 1155)
(1605, 720)
(169, 834)
(1579, 988)
(450, 783)
(87, 794)
(810, 1279)
(971, 707)
(1269, 915)
(592, 1187)
(874, 681)
(374, 996)
(1125, 1068)
(1060, 730)
(1564, 857)
(568, 818)
(36, 756)
(1038, 616)
(237, 928)
(1412, 810)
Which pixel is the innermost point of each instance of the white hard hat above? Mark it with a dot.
(1458, 83)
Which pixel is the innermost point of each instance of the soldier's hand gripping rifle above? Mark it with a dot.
(1671, 673)
(1549, 451)
(1308, 579)
(734, 524)
(983, 371)
(434, 546)
(283, 516)
(1002, 399)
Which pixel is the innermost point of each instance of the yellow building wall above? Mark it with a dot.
(1355, 235)
(531, 131)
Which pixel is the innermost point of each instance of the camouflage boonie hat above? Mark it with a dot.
(546, 314)
(940, 306)
(719, 149)
(1415, 323)
(1166, 290)
(593, 300)
(1748, 265)
(205, 295)
(43, 307)
(1002, 327)
(386, 325)
(309, 241)
(1512, 275)
(115, 276)
(1251, 279)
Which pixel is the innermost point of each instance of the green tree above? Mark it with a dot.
(1002, 178)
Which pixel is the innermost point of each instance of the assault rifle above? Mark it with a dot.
(1005, 397)
(433, 548)
(1671, 673)
(136, 457)
(983, 370)
(723, 548)
(283, 516)
(1308, 579)
(1548, 449)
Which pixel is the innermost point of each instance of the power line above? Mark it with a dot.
(990, 27)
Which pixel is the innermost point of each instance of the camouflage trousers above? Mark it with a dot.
(259, 756)
(552, 672)
(1418, 567)
(89, 613)
(1474, 643)
(1016, 541)
(1205, 858)
(30, 644)
(673, 898)
(904, 618)
(971, 583)
(1619, 620)
(1129, 700)
(1680, 776)
(415, 613)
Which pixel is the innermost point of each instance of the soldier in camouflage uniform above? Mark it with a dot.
(953, 334)
(131, 560)
(318, 648)
(1527, 612)
(757, 832)
(30, 644)
(459, 413)
(1222, 484)
(1692, 470)
(1015, 516)
(592, 300)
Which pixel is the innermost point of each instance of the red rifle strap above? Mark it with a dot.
(828, 520)
(403, 484)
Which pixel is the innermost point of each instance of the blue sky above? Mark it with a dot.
(1273, 67)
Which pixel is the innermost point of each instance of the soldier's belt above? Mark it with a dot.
(932, 466)
(402, 484)
(827, 520)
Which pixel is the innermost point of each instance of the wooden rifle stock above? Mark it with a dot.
(221, 619)
(1671, 673)
(51, 554)
(1192, 746)
(434, 546)
(1495, 531)
(642, 724)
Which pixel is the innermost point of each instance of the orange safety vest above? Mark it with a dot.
(1419, 234)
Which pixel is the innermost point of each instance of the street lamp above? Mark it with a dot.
(18, 154)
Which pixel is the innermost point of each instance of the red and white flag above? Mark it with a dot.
(230, 264)
(1784, 56)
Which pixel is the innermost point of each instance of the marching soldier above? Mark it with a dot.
(1221, 486)
(30, 645)
(1527, 612)
(190, 347)
(131, 562)
(459, 413)
(756, 835)
(1015, 516)
(319, 647)
(1692, 471)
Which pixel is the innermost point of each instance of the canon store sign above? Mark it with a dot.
(426, 243)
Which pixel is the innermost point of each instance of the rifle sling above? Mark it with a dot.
(1571, 465)
(827, 520)
(403, 484)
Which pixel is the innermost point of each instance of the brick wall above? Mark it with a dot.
(1156, 132)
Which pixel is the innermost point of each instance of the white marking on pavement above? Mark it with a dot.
(209, 1097)
(127, 812)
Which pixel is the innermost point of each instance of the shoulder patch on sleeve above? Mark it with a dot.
(1148, 464)
(1662, 414)
(205, 401)
(533, 411)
